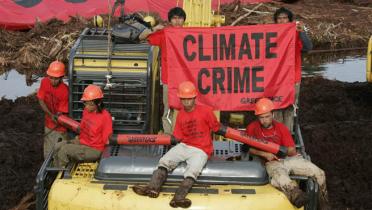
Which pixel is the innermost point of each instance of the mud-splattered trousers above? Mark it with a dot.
(279, 172)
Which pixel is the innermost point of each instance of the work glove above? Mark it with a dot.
(174, 140)
(55, 117)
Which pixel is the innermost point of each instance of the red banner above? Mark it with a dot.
(233, 66)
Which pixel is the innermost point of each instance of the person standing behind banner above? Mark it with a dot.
(303, 44)
(95, 130)
(53, 99)
(176, 17)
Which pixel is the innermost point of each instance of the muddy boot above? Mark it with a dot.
(153, 188)
(179, 199)
(298, 197)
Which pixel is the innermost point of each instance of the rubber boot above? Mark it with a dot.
(179, 199)
(153, 188)
(298, 197)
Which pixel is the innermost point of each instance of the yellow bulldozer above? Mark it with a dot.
(128, 72)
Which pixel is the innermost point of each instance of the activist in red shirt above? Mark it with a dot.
(176, 18)
(278, 133)
(303, 44)
(95, 131)
(53, 99)
(193, 129)
(280, 169)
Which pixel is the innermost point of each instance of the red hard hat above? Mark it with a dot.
(92, 92)
(264, 105)
(186, 90)
(56, 69)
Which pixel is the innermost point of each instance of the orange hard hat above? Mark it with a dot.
(264, 105)
(92, 92)
(56, 69)
(186, 90)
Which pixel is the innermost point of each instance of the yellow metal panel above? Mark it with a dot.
(116, 65)
(104, 52)
(236, 118)
(369, 61)
(98, 64)
(155, 90)
(82, 194)
(199, 13)
(84, 170)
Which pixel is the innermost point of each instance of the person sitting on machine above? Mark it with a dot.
(95, 131)
(193, 129)
(277, 168)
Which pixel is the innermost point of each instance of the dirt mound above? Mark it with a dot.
(36, 48)
(328, 29)
(21, 148)
(365, 3)
(336, 121)
(337, 102)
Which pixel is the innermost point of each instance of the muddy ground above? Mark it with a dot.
(336, 121)
(21, 124)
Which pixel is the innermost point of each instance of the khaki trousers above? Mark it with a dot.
(286, 115)
(167, 114)
(74, 151)
(51, 138)
(194, 157)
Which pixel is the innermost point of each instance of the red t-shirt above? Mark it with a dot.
(158, 39)
(298, 58)
(278, 134)
(56, 99)
(95, 129)
(194, 128)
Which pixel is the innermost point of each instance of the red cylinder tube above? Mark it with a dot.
(142, 139)
(69, 123)
(261, 144)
